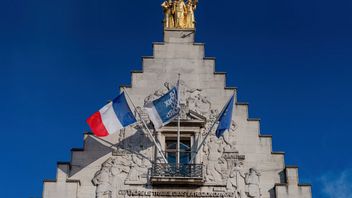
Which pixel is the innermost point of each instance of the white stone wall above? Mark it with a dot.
(179, 54)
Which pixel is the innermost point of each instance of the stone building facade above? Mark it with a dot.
(241, 164)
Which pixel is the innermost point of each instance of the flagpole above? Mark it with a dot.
(178, 121)
(146, 127)
(210, 130)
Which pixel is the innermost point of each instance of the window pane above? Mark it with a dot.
(185, 148)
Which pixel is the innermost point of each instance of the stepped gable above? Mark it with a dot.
(126, 164)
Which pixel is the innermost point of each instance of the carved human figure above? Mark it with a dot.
(211, 119)
(157, 94)
(115, 174)
(138, 169)
(252, 182)
(102, 181)
(232, 185)
(198, 103)
(191, 96)
(229, 138)
(191, 103)
(169, 21)
(180, 10)
(190, 19)
(119, 170)
(236, 181)
(203, 104)
(213, 151)
(111, 176)
(213, 114)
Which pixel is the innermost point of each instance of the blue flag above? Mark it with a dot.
(225, 118)
(164, 109)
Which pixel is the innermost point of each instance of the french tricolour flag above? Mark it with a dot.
(113, 117)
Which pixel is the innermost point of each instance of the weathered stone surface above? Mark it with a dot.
(241, 164)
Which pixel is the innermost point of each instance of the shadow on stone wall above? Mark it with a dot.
(272, 193)
(96, 148)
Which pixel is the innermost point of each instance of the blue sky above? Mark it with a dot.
(60, 60)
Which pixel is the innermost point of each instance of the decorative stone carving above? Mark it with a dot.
(102, 180)
(235, 182)
(234, 174)
(243, 184)
(214, 163)
(111, 176)
(216, 152)
(191, 100)
(158, 93)
(211, 119)
(139, 170)
(227, 155)
(230, 139)
(252, 179)
(196, 102)
(118, 171)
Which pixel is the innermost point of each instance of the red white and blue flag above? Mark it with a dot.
(113, 117)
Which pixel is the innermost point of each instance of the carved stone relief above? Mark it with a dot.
(235, 182)
(111, 176)
(102, 180)
(158, 93)
(195, 101)
(140, 153)
(191, 100)
(223, 163)
(214, 163)
(252, 179)
(226, 158)
(244, 184)
(139, 170)
(124, 168)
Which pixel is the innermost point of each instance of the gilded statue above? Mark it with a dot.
(178, 14)
(190, 19)
(169, 21)
(180, 10)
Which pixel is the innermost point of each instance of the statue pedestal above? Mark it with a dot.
(179, 35)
